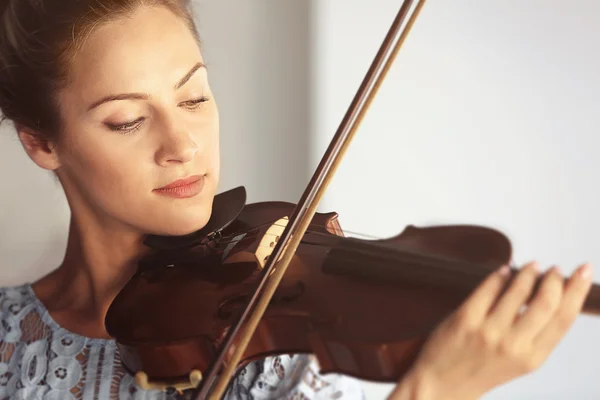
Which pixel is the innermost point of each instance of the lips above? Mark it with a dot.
(182, 188)
(181, 182)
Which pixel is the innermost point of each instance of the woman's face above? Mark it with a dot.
(139, 114)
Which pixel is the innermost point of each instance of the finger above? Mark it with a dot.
(508, 306)
(541, 308)
(575, 293)
(478, 303)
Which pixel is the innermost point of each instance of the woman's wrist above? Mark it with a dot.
(418, 384)
(422, 384)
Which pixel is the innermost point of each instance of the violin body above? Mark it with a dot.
(364, 308)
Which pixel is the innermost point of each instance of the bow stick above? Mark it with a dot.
(303, 213)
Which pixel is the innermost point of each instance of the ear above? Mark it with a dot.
(38, 148)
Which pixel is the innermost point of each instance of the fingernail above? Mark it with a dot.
(586, 271)
(504, 270)
(536, 266)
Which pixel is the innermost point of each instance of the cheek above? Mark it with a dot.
(206, 137)
(106, 175)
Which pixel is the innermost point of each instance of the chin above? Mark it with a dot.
(179, 223)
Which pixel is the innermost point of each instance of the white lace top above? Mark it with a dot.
(41, 360)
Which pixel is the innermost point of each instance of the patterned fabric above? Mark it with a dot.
(41, 360)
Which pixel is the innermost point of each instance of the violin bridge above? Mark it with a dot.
(193, 380)
(269, 240)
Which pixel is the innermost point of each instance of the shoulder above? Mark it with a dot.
(16, 303)
(14, 299)
(295, 376)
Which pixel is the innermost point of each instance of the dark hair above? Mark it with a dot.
(38, 39)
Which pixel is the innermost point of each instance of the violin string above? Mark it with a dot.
(345, 231)
(421, 267)
(226, 238)
(449, 265)
(431, 263)
(419, 263)
(427, 272)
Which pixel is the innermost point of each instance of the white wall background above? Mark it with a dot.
(487, 117)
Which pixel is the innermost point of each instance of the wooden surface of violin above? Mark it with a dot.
(363, 307)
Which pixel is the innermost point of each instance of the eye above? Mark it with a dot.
(127, 127)
(195, 104)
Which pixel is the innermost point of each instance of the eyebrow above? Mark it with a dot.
(143, 96)
(189, 75)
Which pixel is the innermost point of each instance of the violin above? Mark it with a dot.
(274, 277)
(363, 307)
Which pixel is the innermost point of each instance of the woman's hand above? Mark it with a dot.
(487, 343)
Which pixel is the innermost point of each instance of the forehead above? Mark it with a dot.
(151, 45)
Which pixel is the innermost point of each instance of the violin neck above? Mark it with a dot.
(382, 263)
(591, 304)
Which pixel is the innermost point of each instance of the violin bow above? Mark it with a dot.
(304, 211)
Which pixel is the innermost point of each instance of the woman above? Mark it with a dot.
(121, 111)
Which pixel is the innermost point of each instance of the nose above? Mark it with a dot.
(177, 145)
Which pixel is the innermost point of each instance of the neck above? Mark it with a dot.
(98, 262)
